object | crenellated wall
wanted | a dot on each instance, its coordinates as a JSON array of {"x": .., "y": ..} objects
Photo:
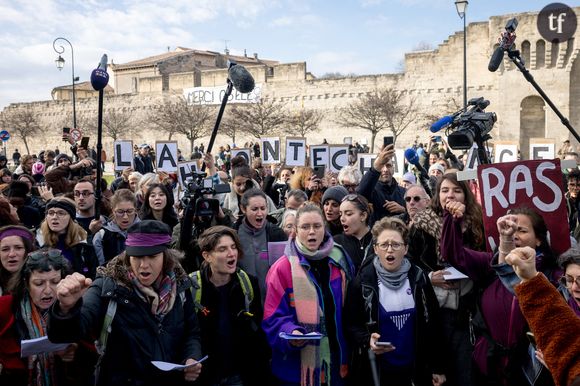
[{"x": 433, "y": 78}]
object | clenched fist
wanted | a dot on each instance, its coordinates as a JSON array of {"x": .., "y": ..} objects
[
  {"x": 70, "y": 290},
  {"x": 524, "y": 262}
]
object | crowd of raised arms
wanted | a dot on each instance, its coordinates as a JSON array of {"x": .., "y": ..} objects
[{"x": 290, "y": 278}]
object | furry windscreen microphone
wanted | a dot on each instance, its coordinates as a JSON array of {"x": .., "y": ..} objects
[
  {"x": 241, "y": 78},
  {"x": 99, "y": 76}
]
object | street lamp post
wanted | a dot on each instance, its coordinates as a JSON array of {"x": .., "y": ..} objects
[
  {"x": 461, "y": 6},
  {"x": 60, "y": 64}
]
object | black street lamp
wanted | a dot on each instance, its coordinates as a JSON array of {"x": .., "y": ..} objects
[
  {"x": 60, "y": 65},
  {"x": 461, "y": 6}
]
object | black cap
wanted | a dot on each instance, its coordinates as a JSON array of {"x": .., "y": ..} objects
[{"x": 146, "y": 238}]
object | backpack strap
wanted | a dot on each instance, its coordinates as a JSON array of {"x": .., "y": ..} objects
[
  {"x": 195, "y": 278},
  {"x": 101, "y": 343},
  {"x": 246, "y": 289}
]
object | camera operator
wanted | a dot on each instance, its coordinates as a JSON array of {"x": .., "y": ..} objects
[{"x": 277, "y": 183}]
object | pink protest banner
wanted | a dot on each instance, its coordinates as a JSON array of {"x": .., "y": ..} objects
[{"x": 533, "y": 184}]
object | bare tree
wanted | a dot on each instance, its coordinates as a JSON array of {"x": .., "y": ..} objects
[
  {"x": 176, "y": 116},
  {"x": 23, "y": 123},
  {"x": 399, "y": 113},
  {"x": 118, "y": 123},
  {"x": 379, "y": 110},
  {"x": 304, "y": 122},
  {"x": 266, "y": 117},
  {"x": 229, "y": 127}
]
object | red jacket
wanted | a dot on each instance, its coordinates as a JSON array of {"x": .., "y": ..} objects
[{"x": 9, "y": 340}]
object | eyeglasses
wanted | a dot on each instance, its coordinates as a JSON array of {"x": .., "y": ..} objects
[
  {"x": 350, "y": 186},
  {"x": 352, "y": 197},
  {"x": 57, "y": 213},
  {"x": 385, "y": 246},
  {"x": 290, "y": 226},
  {"x": 568, "y": 280},
  {"x": 307, "y": 227},
  {"x": 128, "y": 212},
  {"x": 51, "y": 253},
  {"x": 414, "y": 198},
  {"x": 84, "y": 193}
]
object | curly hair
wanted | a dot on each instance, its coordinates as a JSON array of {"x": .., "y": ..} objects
[{"x": 393, "y": 224}]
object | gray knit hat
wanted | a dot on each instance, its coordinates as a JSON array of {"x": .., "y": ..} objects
[{"x": 336, "y": 193}]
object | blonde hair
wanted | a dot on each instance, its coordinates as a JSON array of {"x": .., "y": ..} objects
[{"x": 74, "y": 232}]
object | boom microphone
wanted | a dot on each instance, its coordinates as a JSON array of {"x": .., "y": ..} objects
[
  {"x": 241, "y": 78},
  {"x": 496, "y": 59},
  {"x": 99, "y": 76},
  {"x": 411, "y": 156},
  {"x": 440, "y": 124}
]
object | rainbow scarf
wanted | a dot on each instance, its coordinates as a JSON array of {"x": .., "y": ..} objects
[
  {"x": 315, "y": 355},
  {"x": 40, "y": 367}
]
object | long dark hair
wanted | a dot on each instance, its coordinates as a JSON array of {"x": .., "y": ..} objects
[
  {"x": 473, "y": 215},
  {"x": 169, "y": 215}
]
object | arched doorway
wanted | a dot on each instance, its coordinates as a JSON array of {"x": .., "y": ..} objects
[{"x": 532, "y": 122}]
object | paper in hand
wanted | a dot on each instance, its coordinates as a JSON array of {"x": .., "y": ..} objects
[
  {"x": 167, "y": 366},
  {"x": 39, "y": 346},
  {"x": 309, "y": 336}
]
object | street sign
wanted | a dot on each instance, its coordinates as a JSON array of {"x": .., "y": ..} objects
[
  {"x": 76, "y": 134},
  {"x": 4, "y": 135}
]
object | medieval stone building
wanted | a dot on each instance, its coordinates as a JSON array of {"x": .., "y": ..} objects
[{"x": 432, "y": 78}]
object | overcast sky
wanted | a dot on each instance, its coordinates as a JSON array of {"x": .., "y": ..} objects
[{"x": 348, "y": 36}]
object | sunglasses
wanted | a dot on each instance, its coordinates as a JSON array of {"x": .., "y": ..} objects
[
  {"x": 414, "y": 198},
  {"x": 50, "y": 253}
]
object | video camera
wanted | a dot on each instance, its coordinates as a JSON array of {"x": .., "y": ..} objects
[
  {"x": 471, "y": 125},
  {"x": 196, "y": 188}
]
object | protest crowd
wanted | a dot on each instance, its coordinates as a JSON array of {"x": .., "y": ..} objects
[{"x": 289, "y": 275}]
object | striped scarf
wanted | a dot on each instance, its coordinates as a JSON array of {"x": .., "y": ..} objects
[
  {"x": 41, "y": 366},
  {"x": 315, "y": 355},
  {"x": 161, "y": 295}
]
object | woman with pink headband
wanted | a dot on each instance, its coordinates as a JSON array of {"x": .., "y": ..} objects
[{"x": 15, "y": 243}]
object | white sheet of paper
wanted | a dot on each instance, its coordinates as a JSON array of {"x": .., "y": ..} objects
[
  {"x": 309, "y": 336},
  {"x": 454, "y": 274},
  {"x": 39, "y": 346},
  {"x": 167, "y": 366}
]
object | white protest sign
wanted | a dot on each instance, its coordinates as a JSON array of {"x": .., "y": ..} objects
[
  {"x": 271, "y": 152},
  {"x": 185, "y": 170},
  {"x": 542, "y": 148},
  {"x": 338, "y": 157},
  {"x": 319, "y": 155},
  {"x": 399, "y": 163},
  {"x": 244, "y": 152},
  {"x": 365, "y": 161},
  {"x": 123, "y": 154},
  {"x": 166, "y": 156},
  {"x": 295, "y": 151},
  {"x": 472, "y": 158},
  {"x": 505, "y": 151}
]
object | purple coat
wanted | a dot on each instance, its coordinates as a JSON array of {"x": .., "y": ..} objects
[{"x": 499, "y": 306}]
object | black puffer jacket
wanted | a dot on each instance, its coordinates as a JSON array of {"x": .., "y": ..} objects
[
  {"x": 428, "y": 330},
  {"x": 137, "y": 337}
]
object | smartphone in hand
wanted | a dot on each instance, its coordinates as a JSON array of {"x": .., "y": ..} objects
[
  {"x": 388, "y": 140},
  {"x": 384, "y": 344}
]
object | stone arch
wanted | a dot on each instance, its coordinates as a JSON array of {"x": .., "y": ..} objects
[
  {"x": 554, "y": 54},
  {"x": 540, "y": 53},
  {"x": 526, "y": 47},
  {"x": 532, "y": 122}
]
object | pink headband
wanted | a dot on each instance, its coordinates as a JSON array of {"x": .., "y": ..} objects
[
  {"x": 147, "y": 239},
  {"x": 17, "y": 232}
]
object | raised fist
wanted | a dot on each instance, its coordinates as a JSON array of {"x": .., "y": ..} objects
[{"x": 70, "y": 290}]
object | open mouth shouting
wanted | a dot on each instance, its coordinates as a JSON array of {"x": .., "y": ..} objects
[{"x": 46, "y": 301}]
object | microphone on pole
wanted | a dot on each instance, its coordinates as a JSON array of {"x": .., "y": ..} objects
[
  {"x": 99, "y": 80},
  {"x": 241, "y": 78},
  {"x": 506, "y": 43},
  {"x": 413, "y": 158}
]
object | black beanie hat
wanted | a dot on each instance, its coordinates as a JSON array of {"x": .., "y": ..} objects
[{"x": 64, "y": 204}]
